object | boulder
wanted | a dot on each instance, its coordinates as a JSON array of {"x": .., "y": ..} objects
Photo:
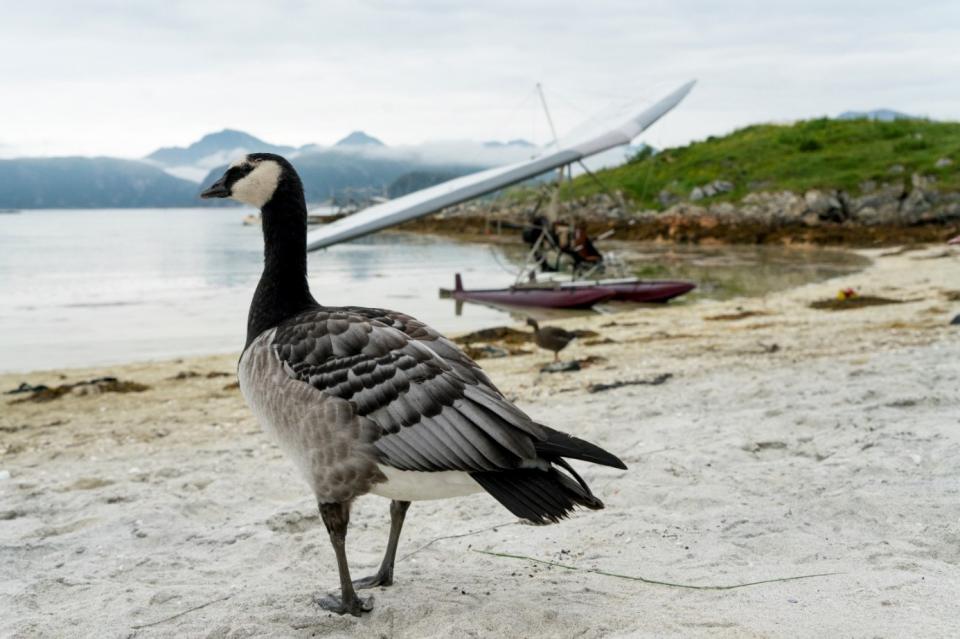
[
  {"x": 666, "y": 198},
  {"x": 722, "y": 186},
  {"x": 881, "y": 205},
  {"x": 826, "y": 206},
  {"x": 871, "y": 216},
  {"x": 778, "y": 208},
  {"x": 710, "y": 189}
]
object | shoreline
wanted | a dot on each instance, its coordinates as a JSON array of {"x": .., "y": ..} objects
[
  {"x": 707, "y": 231},
  {"x": 788, "y": 441}
]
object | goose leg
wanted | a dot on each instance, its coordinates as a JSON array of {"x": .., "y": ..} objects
[
  {"x": 384, "y": 576},
  {"x": 336, "y": 517}
]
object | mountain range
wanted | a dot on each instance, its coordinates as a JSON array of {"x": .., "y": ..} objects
[
  {"x": 881, "y": 115},
  {"x": 78, "y": 182},
  {"x": 354, "y": 168},
  {"x": 213, "y": 149}
]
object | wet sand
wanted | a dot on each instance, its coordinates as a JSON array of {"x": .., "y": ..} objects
[{"x": 788, "y": 442}]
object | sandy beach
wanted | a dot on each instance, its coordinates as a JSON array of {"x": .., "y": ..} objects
[{"x": 816, "y": 451}]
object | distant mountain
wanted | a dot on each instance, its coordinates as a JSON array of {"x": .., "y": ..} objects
[
  {"x": 495, "y": 144},
  {"x": 359, "y": 138},
  {"x": 422, "y": 179},
  {"x": 358, "y": 166},
  {"x": 211, "y": 150},
  {"x": 337, "y": 173},
  {"x": 883, "y": 115},
  {"x": 75, "y": 182}
]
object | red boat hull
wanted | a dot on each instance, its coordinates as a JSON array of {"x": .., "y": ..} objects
[
  {"x": 648, "y": 292},
  {"x": 542, "y": 297},
  {"x": 574, "y": 294}
]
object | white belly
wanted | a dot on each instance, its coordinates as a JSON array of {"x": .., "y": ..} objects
[{"x": 416, "y": 485}]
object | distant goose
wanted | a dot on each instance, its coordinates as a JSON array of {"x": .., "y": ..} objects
[
  {"x": 551, "y": 338},
  {"x": 366, "y": 400}
]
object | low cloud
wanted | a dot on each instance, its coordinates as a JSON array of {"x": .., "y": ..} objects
[{"x": 461, "y": 152}]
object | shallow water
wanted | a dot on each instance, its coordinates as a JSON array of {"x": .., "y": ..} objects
[
  {"x": 91, "y": 287},
  {"x": 724, "y": 272}
]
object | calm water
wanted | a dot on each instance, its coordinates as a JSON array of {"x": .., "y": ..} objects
[{"x": 91, "y": 287}]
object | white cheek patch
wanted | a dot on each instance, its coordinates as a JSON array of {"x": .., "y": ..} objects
[{"x": 257, "y": 187}]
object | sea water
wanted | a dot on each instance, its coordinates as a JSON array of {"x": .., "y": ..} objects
[{"x": 92, "y": 287}]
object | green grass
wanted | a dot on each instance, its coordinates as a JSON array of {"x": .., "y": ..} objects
[{"x": 822, "y": 154}]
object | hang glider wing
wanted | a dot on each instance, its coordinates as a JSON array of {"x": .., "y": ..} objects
[{"x": 436, "y": 198}]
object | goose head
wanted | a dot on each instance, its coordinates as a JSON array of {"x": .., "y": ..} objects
[{"x": 255, "y": 179}]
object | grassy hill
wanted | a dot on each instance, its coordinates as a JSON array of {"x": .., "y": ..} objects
[{"x": 823, "y": 154}]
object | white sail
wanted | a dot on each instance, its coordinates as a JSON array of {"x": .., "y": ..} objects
[{"x": 436, "y": 198}]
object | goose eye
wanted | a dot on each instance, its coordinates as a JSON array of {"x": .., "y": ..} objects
[{"x": 236, "y": 172}]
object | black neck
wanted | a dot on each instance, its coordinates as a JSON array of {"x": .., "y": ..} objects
[{"x": 283, "y": 290}]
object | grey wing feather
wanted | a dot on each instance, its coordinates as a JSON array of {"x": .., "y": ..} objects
[{"x": 435, "y": 408}]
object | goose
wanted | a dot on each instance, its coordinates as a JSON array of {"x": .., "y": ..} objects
[
  {"x": 551, "y": 338},
  {"x": 366, "y": 400}
]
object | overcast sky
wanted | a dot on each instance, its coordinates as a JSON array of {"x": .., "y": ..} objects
[{"x": 122, "y": 78}]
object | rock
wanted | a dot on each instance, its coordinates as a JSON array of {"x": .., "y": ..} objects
[
  {"x": 811, "y": 219},
  {"x": 782, "y": 208},
  {"x": 896, "y": 169},
  {"x": 866, "y": 215},
  {"x": 955, "y": 321},
  {"x": 486, "y": 351},
  {"x": 711, "y": 189},
  {"x": 880, "y": 206},
  {"x": 723, "y": 210},
  {"x": 914, "y": 206},
  {"x": 943, "y": 163},
  {"x": 561, "y": 367},
  {"x": 666, "y": 198},
  {"x": 920, "y": 200},
  {"x": 826, "y": 206},
  {"x": 922, "y": 181}
]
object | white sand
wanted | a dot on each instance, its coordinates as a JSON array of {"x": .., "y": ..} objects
[{"x": 837, "y": 452}]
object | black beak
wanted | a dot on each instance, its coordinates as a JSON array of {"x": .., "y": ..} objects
[{"x": 217, "y": 189}]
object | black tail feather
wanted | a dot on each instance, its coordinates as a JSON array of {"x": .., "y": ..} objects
[
  {"x": 539, "y": 496},
  {"x": 560, "y": 444}
]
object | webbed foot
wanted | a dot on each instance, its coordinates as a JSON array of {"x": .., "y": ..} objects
[
  {"x": 334, "y": 603},
  {"x": 379, "y": 579}
]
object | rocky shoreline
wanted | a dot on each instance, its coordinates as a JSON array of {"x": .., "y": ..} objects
[{"x": 881, "y": 214}]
